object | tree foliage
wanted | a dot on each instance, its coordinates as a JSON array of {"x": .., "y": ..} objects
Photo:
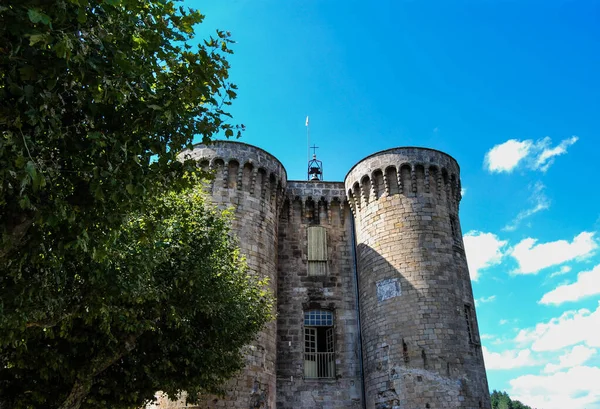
[
  {"x": 168, "y": 310},
  {"x": 501, "y": 400},
  {"x": 97, "y": 98}
]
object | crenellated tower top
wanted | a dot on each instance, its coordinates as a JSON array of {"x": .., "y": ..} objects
[
  {"x": 241, "y": 167},
  {"x": 408, "y": 171}
]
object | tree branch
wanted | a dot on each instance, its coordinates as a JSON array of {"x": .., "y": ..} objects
[
  {"x": 17, "y": 234},
  {"x": 84, "y": 383},
  {"x": 50, "y": 323}
]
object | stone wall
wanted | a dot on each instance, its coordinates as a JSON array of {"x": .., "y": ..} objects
[
  {"x": 309, "y": 204},
  {"x": 420, "y": 336}
]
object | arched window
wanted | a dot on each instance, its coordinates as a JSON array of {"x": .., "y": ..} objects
[{"x": 319, "y": 344}]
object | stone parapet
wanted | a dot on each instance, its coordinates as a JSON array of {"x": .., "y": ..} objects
[
  {"x": 239, "y": 167},
  {"x": 406, "y": 171},
  {"x": 315, "y": 202}
]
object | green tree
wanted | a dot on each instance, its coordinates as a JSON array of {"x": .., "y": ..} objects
[
  {"x": 97, "y": 98},
  {"x": 168, "y": 310},
  {"x": 501, "y": 400}
]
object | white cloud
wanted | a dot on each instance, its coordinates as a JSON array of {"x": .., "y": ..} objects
[
  {"x": 563, "y": 270},
  {"x": 588, "y": 283},
  {"x": 508, "y": 359},
  {"x": 546, "y": 157},
  {"x": 500, "y": 341},
  {"x": 487, "y": 336},
  {"x": 463, "y": 191},
  {"x": 483, "y": 300},
  {"x": 571, "y": 340},
  {"x": 538, "y": 155},
  {"x": 483, "y": 250},
  {"x": 506, "y": 156},
  {"x": 539, "y": 202},
  {"x": 576, "y": 388},
  {"x": 571, "y": 328},
  {"x": 575, "y": 357},
  {"x": 503, "y": 322},
  {"x": 535, "y": 257}
]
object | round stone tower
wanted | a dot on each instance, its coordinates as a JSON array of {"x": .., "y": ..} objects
[
  {"x": 253, "y": 182},
  {"x": 420, "y": 337}
]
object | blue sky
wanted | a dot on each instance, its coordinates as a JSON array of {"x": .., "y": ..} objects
[{"x": 510, "y": 89}]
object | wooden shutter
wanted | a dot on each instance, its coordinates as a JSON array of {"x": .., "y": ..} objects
[
  {"x": 317, "y": 244},
  {"x": 317, "y": 251}
]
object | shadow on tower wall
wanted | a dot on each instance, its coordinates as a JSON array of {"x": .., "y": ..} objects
[{"x": 418, "y": 352}]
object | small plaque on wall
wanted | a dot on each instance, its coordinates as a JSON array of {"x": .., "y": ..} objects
[{"x": 388, "y": 288}]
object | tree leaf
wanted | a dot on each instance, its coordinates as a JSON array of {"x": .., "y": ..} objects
[
  {"x": 63, "y": 48},
  {"x": 81, "y": 15},
  {"x": 36, "y": 38},
  {"x": 36, "y": 16}
]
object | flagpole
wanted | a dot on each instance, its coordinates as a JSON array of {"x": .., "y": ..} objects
[{"x": 307, "y": 145}]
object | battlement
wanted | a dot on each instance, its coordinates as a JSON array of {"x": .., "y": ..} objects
[
  {"x": 407, "y": 171},
  {"x": 315, "y": 202},
  {"x": 241, "y": 167}
]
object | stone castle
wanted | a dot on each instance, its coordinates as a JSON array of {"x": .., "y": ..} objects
[{"x": 374, "y": 302}]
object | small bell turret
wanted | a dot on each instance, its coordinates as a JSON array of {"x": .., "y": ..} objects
[{"x": 315, "y": 167}]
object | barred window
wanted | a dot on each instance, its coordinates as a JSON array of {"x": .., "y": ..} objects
[
  {"x": 317, "y": 251},
  {"x": 319, "y": 345}
]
